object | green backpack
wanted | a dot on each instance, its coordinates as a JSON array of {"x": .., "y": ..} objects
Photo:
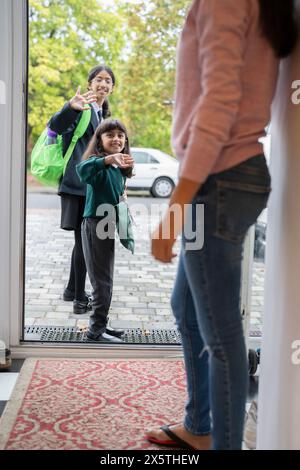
[{"x": 48, "y": 164}]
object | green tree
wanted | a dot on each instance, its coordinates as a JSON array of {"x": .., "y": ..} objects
[
  {"x": 136, "y": 38},
  {"x": 66, "y": 39},
  {"x": 147, "y": 72}
]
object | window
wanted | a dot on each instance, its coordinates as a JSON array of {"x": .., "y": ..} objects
[{"x": 141, "y": 157}]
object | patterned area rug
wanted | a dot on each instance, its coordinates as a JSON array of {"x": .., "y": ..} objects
[{"x": 69, "y": 404}]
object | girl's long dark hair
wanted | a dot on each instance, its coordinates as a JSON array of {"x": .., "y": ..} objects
[
  {"x": 95, "y": 146},
  {"x": 92, "y": 74},
  {"x": 278, "y": 24}
]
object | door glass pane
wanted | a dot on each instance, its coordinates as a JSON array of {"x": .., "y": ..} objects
[{"x": 60, "y": 59}]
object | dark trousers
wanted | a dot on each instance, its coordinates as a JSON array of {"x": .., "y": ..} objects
[
  {"x": 99, "y": 257},
  {"x": 72, "y": 208}
]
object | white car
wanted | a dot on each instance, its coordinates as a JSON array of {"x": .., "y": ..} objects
[{"x": 154, "y": 170}]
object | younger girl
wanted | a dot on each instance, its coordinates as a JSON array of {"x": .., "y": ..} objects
[{"x": 105, "y": 164}]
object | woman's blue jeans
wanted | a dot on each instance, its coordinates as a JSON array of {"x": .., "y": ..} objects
[{"x": 206, "y": 302}]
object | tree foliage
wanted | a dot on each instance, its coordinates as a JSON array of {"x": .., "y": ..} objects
[
  {"x": 138, "y": 40},
  {"x": 66, "y": 39},
  {"x": 147, "y": 74}
]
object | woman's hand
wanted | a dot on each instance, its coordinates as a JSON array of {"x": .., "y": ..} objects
[
  {"x": 122, "y": 160},
  {"x": 80, "y": 102},
  {"x": 162, "y": 241},
  {"x": 165, "y": 235}
]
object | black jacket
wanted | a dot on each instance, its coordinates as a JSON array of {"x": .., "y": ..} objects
[{"x": 64, "y": 123}]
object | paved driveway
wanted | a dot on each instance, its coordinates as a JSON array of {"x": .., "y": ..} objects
[{"x": 142, "y": 286}]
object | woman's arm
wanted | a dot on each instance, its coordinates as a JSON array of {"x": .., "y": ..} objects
[
  {"x": 221, "y": 29},
  {"x": 221, "y": 34},
  {"x": 164, "y": 237}
]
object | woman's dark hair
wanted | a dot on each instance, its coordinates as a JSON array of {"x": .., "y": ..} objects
[
  {"x": 95, "y": 146},
  {"x": 92, "y": 74},
  {"x": 278, "y": 24}
]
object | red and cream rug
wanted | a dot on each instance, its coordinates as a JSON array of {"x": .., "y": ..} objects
[{"x": 69, "y": 404}]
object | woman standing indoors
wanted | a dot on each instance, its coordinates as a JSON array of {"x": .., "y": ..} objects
[{"x": 228, "y": 60}]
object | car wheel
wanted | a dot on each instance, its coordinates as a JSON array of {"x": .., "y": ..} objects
[{"x": 162, "y": 187}]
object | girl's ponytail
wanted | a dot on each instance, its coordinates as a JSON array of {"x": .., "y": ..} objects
[
  {"x": 105, "y": 109},
  {"x": 278, "y": 24}
]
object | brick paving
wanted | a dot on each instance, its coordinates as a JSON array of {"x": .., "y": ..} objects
[{"x": 142, "y": 286}]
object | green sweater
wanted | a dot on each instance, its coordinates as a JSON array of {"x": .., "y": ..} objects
[{"x": 105, "y": 184}]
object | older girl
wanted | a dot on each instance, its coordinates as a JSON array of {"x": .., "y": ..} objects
[{"x": 100, "y": 84}]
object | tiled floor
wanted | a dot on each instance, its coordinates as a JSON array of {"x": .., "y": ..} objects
[
  {"x": 7, "y": 382},
  {"x": 142, "y": 286}
]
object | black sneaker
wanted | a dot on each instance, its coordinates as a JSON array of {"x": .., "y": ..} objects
[
  {"x": 102, "y": 338},
  {"x": 114, "y": 331},
  {"x": 69, "y": 295},
  {"x": 81, "y": 306}
]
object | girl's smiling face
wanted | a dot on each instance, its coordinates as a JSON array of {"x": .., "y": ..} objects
[
  {"x": 113, "y": 141},
  {"x": 101, "y": 85}
]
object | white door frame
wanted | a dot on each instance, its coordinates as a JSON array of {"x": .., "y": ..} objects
[{"x": 13, "y": 44}]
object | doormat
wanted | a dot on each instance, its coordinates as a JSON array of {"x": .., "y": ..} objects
[{"x": 79, "y": 404}]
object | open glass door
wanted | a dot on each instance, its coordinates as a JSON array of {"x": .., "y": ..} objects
[
  {"x": 138, "y": 42},
  {"x": 142, "y": 287}
]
